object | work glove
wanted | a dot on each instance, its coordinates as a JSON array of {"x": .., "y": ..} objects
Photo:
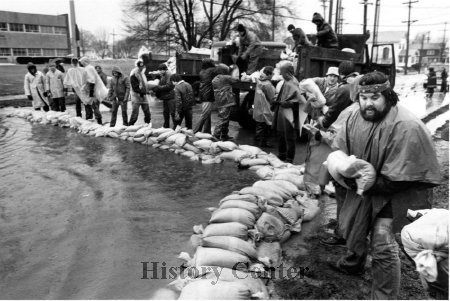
[
  {"x": 351, "y": 183},
  {"x": 30, "y": 97},
  {"x": 91, "y": 90},
  {"x": 46, "y": 94}
]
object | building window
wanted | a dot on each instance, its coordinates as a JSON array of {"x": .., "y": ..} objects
[
  {"x": 3, "y": 26},
  {"x": 48, "y": 52},
  {"x": 34, "y": 51},
  {"x": 19, "y": 51},
  {"x": 61, "y": 52},
  {"x": 400, "y": 59},
  {"x": 5, "y": 51},
  {"x": 15, "y": 27},
  {"x": 60, "y": 30},
  {"x": 31, "y": 28},
  {"x": 430, "y": 52},
  {"x": 46, "y": 29}
]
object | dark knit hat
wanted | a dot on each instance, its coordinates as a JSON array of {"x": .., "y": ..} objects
[
  {"x": 290, "y": 27},
  {"x": 346, "y": 67},
  {"x": 30, "y": 66},
  {"x": 241, "y": 28},
  {"x": 162, "y": 67},
  {"x": 317, "y": 17}
]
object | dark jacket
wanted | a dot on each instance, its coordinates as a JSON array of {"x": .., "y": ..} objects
[
  {"x": 249, "y": 45},
  {"x": 164, "y": 90},
  {"x": 432, "y": 80},
  {"x": 337, "y": 104},
  {"x": 206, "y": 88},
  {"x": 104, "y": 78},
  {"x": 326, "y": 37},
  {"x": 60, "y": 68},
  {"x": 138, "y": 89},
  {"x": 444, "y": 75},
  {"x": 184, "y": 97},
  {"x": 120, "y": 87},
  {"x": 300, "y": 39}
]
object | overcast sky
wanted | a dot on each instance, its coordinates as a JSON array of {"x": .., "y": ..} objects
[{"x": 95, "y": 14}]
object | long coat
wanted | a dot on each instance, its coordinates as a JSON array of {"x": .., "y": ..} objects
[
  {"x": 55, "y": 83},
  {"x": 34, "y": 85}
]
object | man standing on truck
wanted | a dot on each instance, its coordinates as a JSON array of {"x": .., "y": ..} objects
[
  {"x": 165, "y": 92},
  {"x": 326, "y": 37},
  {"x": 250, "y": 48},
  {"x": 299, "y": 36},
  {"x": 399, "y": 146}
]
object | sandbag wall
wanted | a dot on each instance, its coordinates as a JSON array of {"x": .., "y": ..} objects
[{"x": 244, "y": 233}]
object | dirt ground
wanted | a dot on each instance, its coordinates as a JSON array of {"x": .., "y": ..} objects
[{"x": 324, "y": 283}]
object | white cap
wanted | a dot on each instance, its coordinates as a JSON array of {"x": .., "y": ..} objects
[{"x": 333, "y": 70}]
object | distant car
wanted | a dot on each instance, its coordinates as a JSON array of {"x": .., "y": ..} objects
[{"x": 399, "y": 69}]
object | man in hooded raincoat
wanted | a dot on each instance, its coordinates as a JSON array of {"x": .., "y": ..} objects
[
  {"x": 250, "y": 48},
  {"x": 288, "y": 109},
  {"x": 138, "y": 93},
  {"x": 399, "y": 146},
  {"x": 34, "y": 86},
  {"x": 119, "y": 92},
  {"x": 75, "y": 79},
  {"x": 263, "y": 116},
  {"x": 95, "y": 88}
]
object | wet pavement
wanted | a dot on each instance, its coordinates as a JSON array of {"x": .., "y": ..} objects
[{"x": 79, "y": 214}]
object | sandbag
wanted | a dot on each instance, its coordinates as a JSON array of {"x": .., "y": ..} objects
[
  {"x": 256, "y": 167},
  {"x": 191, "y": 148},
  {"x": 139, "y": 139},
  {"x": 134, "y": 128},
  {"x": 203, "y": 144},
  {"x": 315, "y": 96},
  {"x": 272, "y": 198},
  {"x": 271, "y": 228},
  {"x": 265, "y": 173},
  {"x": 238, "y": 215},
  {"x": 252, "y": 150},
  {"x": 205, "y": 290},
  {"x": 227, "y": 146},
  {"x": 294, "y": 179},
  {"x": 269, "y": 253},
  {"x": 243, "y": 197},
  {"x": 164, "y": 147},
  {"x": 247, "y": 162},
  {"x": 235, "y": 155},
  {"x": 179, "y": 151},
  {"x": 172, "y": 138},
  {"x": 279, "y": 185},
  {"x": 218, "y": 257},
  {"x": 165, "y": 135},
  {"x": 310, "y": 206},
  {"x": 230, "y": 243},
  {"x": 215, "y": 160},
  {"x": 226, "y": 229},
  {"x": 181, "y": 140},
  {"x": 275, "y": 161},
  {"x": 252, "y": 207},
  {"x": 157, "y": 132},
  {"x": 200, "y": 135},
  {"x": 288, "y": 170},
  {"x": 341, "y": 166},
  {"x": 188, "y": 154}
]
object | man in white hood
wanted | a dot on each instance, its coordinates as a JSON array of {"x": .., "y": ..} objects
[{"x": 90, "y": 87}]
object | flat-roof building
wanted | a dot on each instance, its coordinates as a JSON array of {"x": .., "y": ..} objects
[{"x": 23, "y": 34}]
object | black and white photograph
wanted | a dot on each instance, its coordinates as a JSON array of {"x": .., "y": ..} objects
[{"x": 224, "y": 149}]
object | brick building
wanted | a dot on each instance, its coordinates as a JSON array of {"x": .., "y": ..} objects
[{"x": 23, "y": 34}]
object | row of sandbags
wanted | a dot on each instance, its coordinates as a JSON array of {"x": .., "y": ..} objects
[{"x": 242, "y": 241}]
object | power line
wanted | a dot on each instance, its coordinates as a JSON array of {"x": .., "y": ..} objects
[{"x": 407, "y": 33}]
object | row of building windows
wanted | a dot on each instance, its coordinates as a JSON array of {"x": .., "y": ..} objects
[
  {"x": 32, "y": 28},
  {"x": 32, "y": 52}
]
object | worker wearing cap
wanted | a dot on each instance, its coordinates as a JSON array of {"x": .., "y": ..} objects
[
  {"x": 326, "y": 37},
  {"x": 34, "y": 85},
  {"x": 250, "y": 48},
  {"x": 165, "y": 92},
  {"x": 299, "y": 36}
]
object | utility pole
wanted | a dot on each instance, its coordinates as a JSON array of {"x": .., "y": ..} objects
[
  {"x": 441, "y": 54},
  {"x": 324, "y": 5},
  {"x": 73, "y": 23},
  {"x": 376, "y": 21},
  {"x": 421, "y": 52},
  {"x": 341, "y": 19},
  {"x": 113, "y": 35},
  {"x": 365, "y": 2},
  {"x": 273, "y": 21},
  {"x": 330, "y": 13},
  {"x": 336, "y": 21},
  {"x": 407, "y": 33}
]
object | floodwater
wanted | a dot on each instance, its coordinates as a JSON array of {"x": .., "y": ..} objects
[{"x": 79, "y": 215}]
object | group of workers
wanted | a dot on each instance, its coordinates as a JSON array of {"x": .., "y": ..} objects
[{"x": 362, "y": 118}]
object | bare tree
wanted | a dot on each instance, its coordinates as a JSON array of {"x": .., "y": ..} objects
[
  {"x": 101, "y": 43},
  {"x": 87, "y": 40},
  {"x": 127, "y": 47},
  {"x": 189, "y": 22}
]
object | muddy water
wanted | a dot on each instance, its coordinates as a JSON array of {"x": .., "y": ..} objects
[{"x": 78, "y": 214}]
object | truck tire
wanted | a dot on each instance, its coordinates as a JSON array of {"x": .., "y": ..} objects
[{"x": 245, "y": 120}]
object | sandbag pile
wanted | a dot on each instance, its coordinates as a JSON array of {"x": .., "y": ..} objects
[
  {"x": 242, "y": 239},
  {"x": 245, "y": 231}
]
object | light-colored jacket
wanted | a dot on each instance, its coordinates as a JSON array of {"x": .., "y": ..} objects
[
  {"x": 55, "y": 83},
  {"x": 76, "y": 79},
  {"x": 34, "y": 85},
  {"x": 92, "y": 77}
]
